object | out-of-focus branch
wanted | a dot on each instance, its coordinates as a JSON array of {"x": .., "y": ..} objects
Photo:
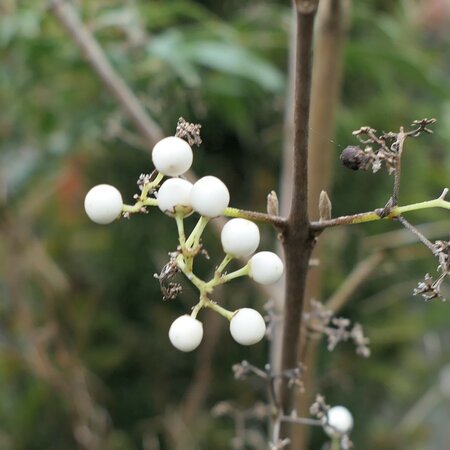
[
  {"x": 355, "y": 278},
  {"x": 398, "y": 238},
  {"x": 331, "y": 31},
  {"x": 96, "y": 57},
  {"x": 43, "y": 350}
]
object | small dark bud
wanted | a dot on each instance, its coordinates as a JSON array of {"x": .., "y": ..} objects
[{"x": 354, "y": 158}]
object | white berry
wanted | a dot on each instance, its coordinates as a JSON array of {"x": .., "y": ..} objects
[
  {"x": 186, "y": 333},
  {"x": 240, "y": 237},
  {"x": 172, "y": 156},
  {"x": 247, "y": 326},
  {"x": 339, "y": 421},
  {"x": 265, "y": 267},
  {"x": 103, "y": 204},
  {"x": 210, "y": 196},
  {"x": 173, "y": 194}
]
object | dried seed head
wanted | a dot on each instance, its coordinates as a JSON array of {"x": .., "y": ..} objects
[{"x": 354, "y": 158}]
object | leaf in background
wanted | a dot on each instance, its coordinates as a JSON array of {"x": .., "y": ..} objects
[
  {"x": 237, "y": 61},
  {"x": 169, "y": 47}
]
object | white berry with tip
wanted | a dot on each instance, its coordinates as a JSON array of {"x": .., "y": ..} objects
[
  {"x": 103, "y": 204},
  {"x": 174, "y": 194},
  {"x": 265, "y": 267},
  {"x": 186, "y": 333},
  {"x": 339, "y": 421},
  {"x": 172, "y": 156},
  {"x": 240, "y": 237},
  {"x": 247, "y": 326},
  {"x": 210, "y": 196}
]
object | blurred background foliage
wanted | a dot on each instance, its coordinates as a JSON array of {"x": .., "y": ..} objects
[{"x": 85, "y": 361}]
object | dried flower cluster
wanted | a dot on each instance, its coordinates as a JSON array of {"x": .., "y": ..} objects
[
  {"x": 336, "y": 329},
  {"x": 385, "y": 148},
  {"x": 430, "y": 288}
]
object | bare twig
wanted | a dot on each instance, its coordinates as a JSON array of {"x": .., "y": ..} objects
[
  {"x": 398, "y": 238},
  {"x": 419, "y": 235}
]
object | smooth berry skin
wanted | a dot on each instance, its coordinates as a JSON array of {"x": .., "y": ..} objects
[
  {"x": 186, "y": 333},
  {"x": 247, "y": 326},
  {"x": 340, "y": 421},
  {"x": 103, "y": 204},
  {"x": 210, "y": 196},
  {"x": 240, "y": 237},
  {"x": 266, "y": 267},
  {"x": 172, "y": 156},
  {"x": 174, "y": 195}
]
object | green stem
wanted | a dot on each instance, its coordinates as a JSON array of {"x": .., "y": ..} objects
[
  {"x": 373, "y": 215},
  {"x": 219, "y": 309},
  {"x": 335, "y": 444},
  {"x": 242, "y": 272},
  {"x": 139, "y": 205},
  {"x": 277, "y": 221},
  {"x": 194, "y": 239},
  {"x": 180, "y": 227},
  {"x": 196, "y": 281},
  {"x": 151, "y": 185},
  {"x": 436, "y": 203},
  {"x": 201, "y": 304},
  {"x": 205, "y": 302},
  {"x": 223, "y": 264}
]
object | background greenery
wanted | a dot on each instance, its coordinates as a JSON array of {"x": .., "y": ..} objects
[{"x": 85, "y": 360}]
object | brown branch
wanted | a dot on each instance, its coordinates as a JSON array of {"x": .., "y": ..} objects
[
  {"x": 331, "y": 30},
  {"x": 298, "y": 240},
  {"x": 96, "y": 57}
]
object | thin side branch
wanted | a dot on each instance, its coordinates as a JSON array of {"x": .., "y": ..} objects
[
  {"x": 370, "y": 216},
  {"x": 419, "y": 235},
  {"x": 277, "y": 221}
]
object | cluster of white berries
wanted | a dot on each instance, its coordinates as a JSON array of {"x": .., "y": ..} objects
[
  {"x": 247, "y": 327},
  {"x": 209, "y": 197}
]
